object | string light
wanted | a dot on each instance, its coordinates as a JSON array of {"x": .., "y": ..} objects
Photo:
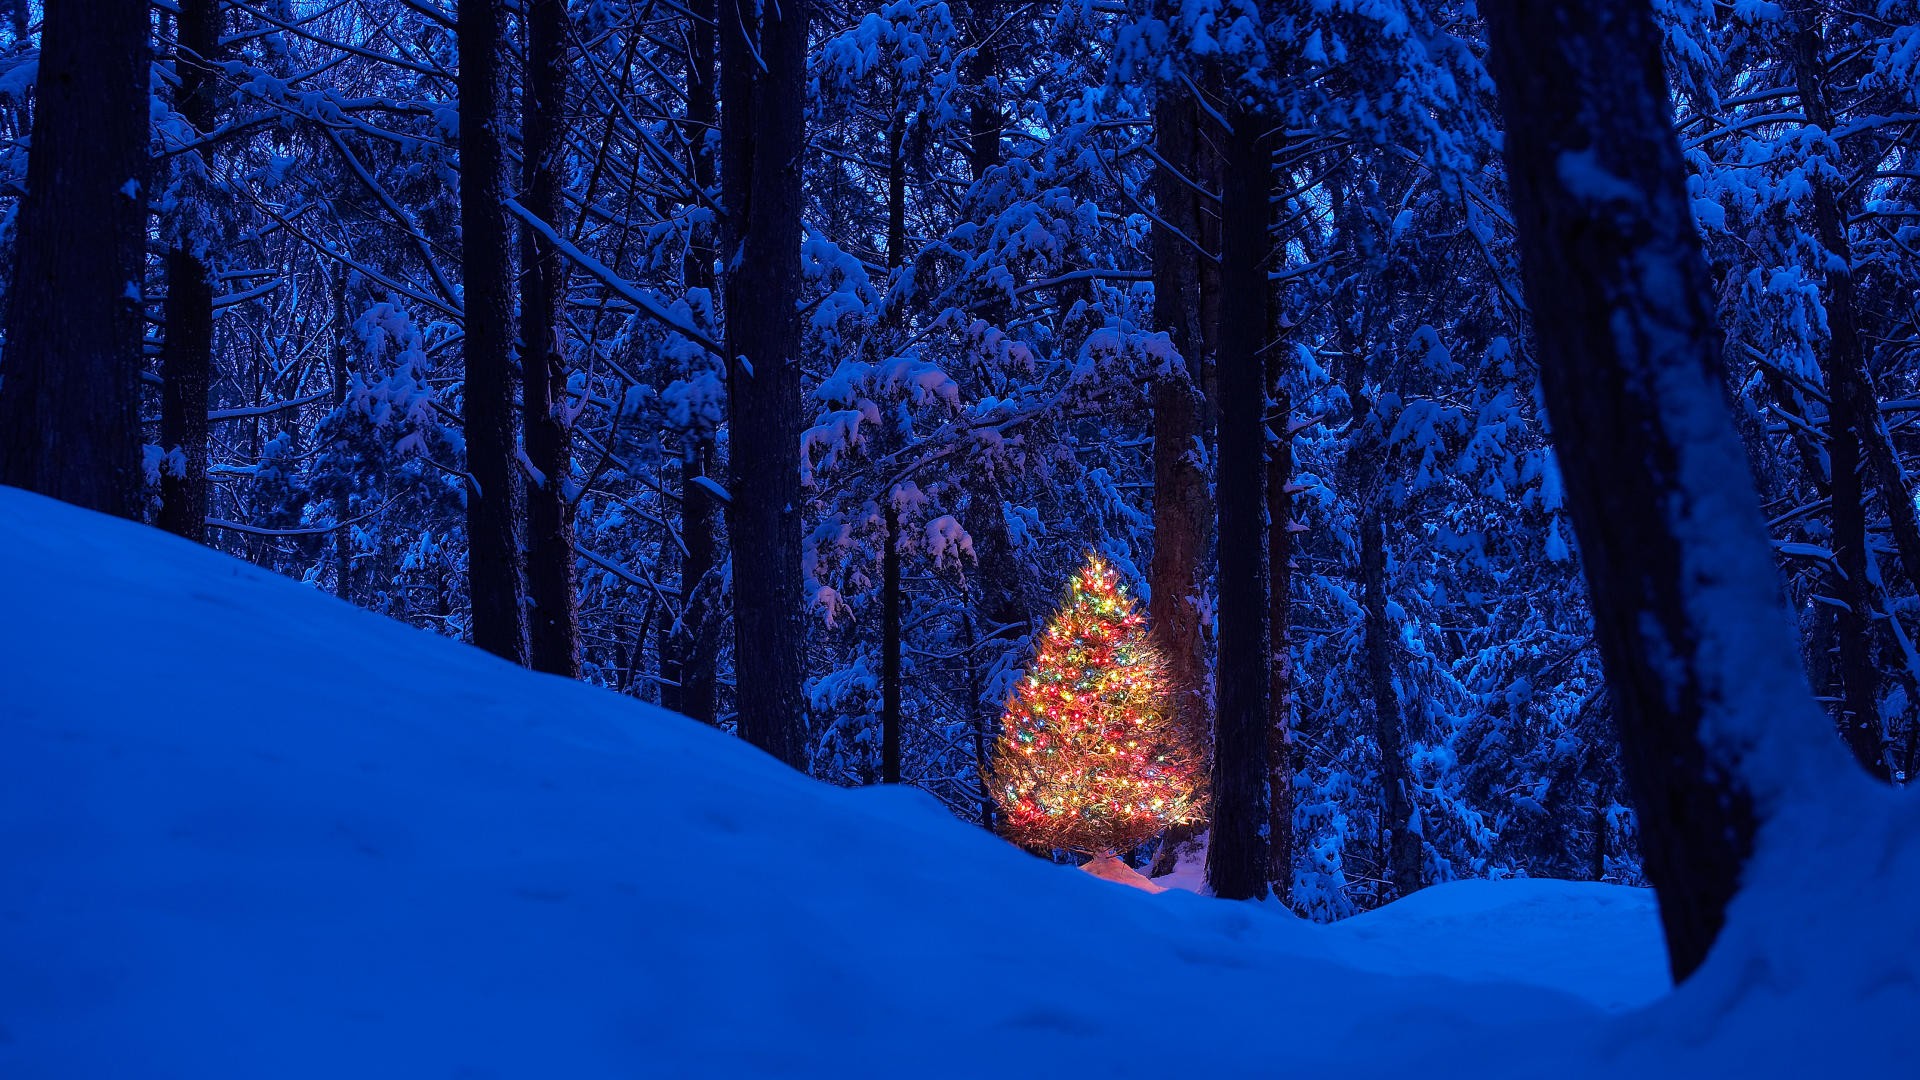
[{"x": 1117, "y": 768}]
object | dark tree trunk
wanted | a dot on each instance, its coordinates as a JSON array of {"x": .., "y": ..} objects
[
  {"x": 1002, "y": 608},
  {"x": 496, "y": 581},
  {"x": 763, "y": 49},
  {"x": 70, "y": 377},
  {"x": 1182, "y": 509},
  {"x": 553, "y": 629},
  {"x": 1853, "y": 415},
  {"x": 1279, "y": 622},
  {"x": 890, "y": 648},
  {"x": 690, "y": 660},
  {"x": 342, "y": 504},
  {"x": 1859, "y": 710},
  {"x": 1701, "y": 668},
  {"x": 1182, "y": 512},
  {"x": 985, "y": 123},
  {"x": 1237, "y": 849},
  {"x": 890, "y": 594},
  {"x": 1403, "y": 847},
  {"x": 1848, "y": 382},
  {"x": 896, "y": 190},
  {"x": 977, "y": 716},
  {"x": 186, "y": 355}
]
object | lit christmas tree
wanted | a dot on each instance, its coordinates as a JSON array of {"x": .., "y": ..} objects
[{"x": 1090, "y": 757}]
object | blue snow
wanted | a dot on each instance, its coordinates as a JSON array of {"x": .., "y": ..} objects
[{"x": 250, "y": 831}]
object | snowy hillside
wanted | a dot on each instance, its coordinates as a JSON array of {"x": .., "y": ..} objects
[{"x": 253, "y": 832}]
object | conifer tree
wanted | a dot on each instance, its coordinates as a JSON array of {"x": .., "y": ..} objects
[{"x": 1092, "y": 756}]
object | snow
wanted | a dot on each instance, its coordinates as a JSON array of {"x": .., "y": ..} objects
[
  {"x": 251, "y": 831},
  {"x": 1593, "y": 941},
  {"x": 1108, "y": 868}
]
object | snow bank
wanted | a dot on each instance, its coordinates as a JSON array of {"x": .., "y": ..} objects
[{"x": 252, "y": 832}]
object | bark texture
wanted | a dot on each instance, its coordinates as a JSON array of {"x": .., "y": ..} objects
[
  {"x": 763, "y": 95},
  {"x": 70, "y": 376},
  {"x": 553, "y": 629},
  {"x": 496, "y": 505},
  {"x": 186, "y": 354},
  {"x": 1237, "y": 852}
]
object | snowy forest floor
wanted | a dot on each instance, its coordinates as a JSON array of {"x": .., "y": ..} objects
[{"x": 251, "y": 831}]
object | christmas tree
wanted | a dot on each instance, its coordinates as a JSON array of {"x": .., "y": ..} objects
[{"x": 1090, "y": 756}]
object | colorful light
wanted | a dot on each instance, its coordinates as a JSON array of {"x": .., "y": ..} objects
[{"x": 1118, "y": 768}]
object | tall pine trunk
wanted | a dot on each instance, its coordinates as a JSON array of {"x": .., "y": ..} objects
[
  {"x": 1182, "y": 510},
  {"x": 186, "y": 355},
  {"x": 1706, "y": 685},
  {"x": 1389, "y": 725},
  {"x": 763, "y": 51},
  {"x": 70, "y": 374},
  {"x": 1279, "y": 616},
  {"x": 1847, "y": 376},
  {"x": 496, "y": 508},
  {"x": 553, "y": 629},
  {"x": 890, "y": 604},
  {"x": 1853, "y": 415},
  {"x": 338, "y": 362},
  {"x": 692, "y": 643},
  {"x": 891, "y": 600},
  {"x": 1237, "y": 851}
]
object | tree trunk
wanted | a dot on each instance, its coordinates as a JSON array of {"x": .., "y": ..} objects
[
  {"x": 342, "y": 503},
  {"x": 1279, "y": 621},
  {"x": 186, "y": 354},
  {"x": 1705, "y": 682},
  {"x": 692, "y": 643},
  {"x": 1847, "y": 380},
  {"x": 977, "y": 716},
  {"x": 985, "y": 123},
  {"x": 1403, "y": 844},
  {"x": 890, "y": 647},
  {"x": 1237, "y": 850},
  {"x": 496, "y": 582},
  {"x": 70, "y": 380},
  {"x": 763, "y": 50},
  {"x": 1182, "y": 510},
  {"x": 552, "y": 585},
  {"x": 1859, "y": 710},
  {"x": 890, "y": 594},
  {"x": 1853, "y": 416}
]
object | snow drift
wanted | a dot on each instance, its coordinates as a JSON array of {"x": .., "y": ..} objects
[{"x": 250, "y": 831}]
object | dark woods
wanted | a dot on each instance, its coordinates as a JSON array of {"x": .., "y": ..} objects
[{"x": 778, "y": 362}]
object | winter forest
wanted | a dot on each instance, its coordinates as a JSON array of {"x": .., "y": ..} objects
[{"x": 1458, "y": 439}]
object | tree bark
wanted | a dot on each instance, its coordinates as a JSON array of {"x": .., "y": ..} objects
[
  {"x": 1279, "y": 622},
  {"x": 1705, "y": 682},
  {"x": 985, "y": 123},
  {"x": 1237, "y": 852},
  {"x": 1853, "y": 414},
  {"x": 186, "y": 354},
  {"x": 890, "y": 647},
  {"x": 763, "y": 89},
  {"x": 496, "y": 506},
  {"x": 552, "y": 583},
  {"x": 1182, "y": 509},
  {"x": 690, "y": 659},
  {"x": 1848, "y": 382},
  {"x": 70, "y": 381},
  {"x": 342, "y": 503},
  {"x": 1403, "y": 845}
]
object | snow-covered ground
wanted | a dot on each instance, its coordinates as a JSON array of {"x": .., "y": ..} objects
[{"x": 249, "y": 831}]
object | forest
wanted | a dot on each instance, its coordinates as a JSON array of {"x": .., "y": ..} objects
[{"x": 1503, "y": 412}]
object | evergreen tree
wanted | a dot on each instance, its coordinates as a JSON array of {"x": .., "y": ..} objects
[{"x": 1092, "y": 756}]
